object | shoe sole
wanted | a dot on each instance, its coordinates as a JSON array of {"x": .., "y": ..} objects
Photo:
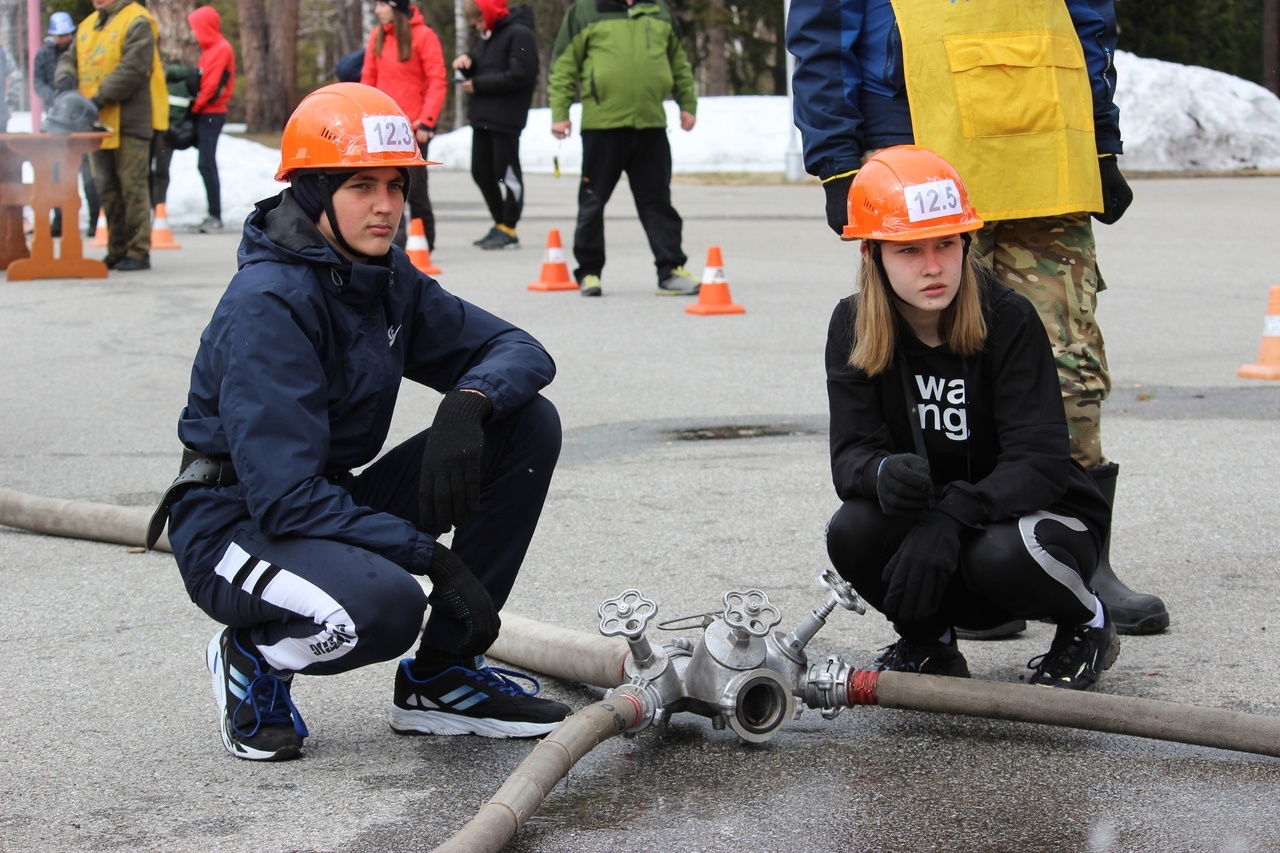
[
  {"x": 407, "y": 722},
  {"x": 1153, "y": 624},
  {"x": 662, "y": 292},
  {"x": 213, "y": 658}
]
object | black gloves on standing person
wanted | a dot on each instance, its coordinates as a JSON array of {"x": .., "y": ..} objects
[
  {"x": 837, "y": 189},
  {"x": 1116, "y": 195},
  {"x": 903, "y": 485},
  {"x": 918, "y": 573},
  {"x": 456, "y": 588},
  {"x": 449, "y": 489}
]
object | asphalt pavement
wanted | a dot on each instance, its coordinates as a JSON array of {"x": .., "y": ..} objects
[{"x": 695, "y": 462}]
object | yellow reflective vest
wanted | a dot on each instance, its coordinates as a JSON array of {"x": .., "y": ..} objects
[
  {"x": 1000, "y": 89},
  {"x": 98, "y": 53}
]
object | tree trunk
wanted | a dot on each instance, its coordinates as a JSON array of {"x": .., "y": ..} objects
[
  {"x": 1271, "y": 45},
  {"x": 268, "y": 53},
  {"x": 177, "y": 42},
  {"x": 715, "y": 68}
]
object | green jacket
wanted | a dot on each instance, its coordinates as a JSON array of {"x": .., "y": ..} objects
[{"x": 626, "y": 60}]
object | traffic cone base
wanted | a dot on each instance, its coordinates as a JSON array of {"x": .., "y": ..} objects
[
  {"x": 555, "y": 271},
  {"x": 161, "y": 233},
  {"x": 418, "y": 250},
  {"x": 713, "y": 294},
  {"x": 100, "y": 235},
  {"x": 1268, "y": 366}
]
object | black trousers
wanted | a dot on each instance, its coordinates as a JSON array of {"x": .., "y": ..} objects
[
  {"x": 321, "y": 607},
  {"x": 208, "y": 129},
  {"x": 1034, "y": 567},
  {"x": 645, "y": 155},
  {"x": 495, "y": 167}
]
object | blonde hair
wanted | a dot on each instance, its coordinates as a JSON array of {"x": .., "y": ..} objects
[
  {"x": 404, "y": 39},
  {"x": 962, "y": 325}
]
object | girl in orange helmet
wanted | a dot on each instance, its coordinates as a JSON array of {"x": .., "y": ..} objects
[
  {"x": 949, "y": 448},
  {"x": 308, "y": 565}
]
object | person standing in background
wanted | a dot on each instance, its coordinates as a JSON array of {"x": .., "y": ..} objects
[
  {"x": 405, "y": 60},
  {"x": 217, "y": 80},
  {"x": 115, "y": 63},
  {"x": 499, "y": 73}
]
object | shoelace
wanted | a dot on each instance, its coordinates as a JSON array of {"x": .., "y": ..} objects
[
  {"x": 503, "y": 679},
  {"x": 1055, "y": 649},
  {"x": 268, "y": 697}
]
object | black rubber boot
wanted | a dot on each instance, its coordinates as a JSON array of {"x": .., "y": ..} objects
[{"x": 1132, "y": 612}]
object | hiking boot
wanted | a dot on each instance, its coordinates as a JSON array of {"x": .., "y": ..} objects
[
  {"x": 590, "y": 285},
  {"x": 210, "y": 225},
  {"x": 1077, "y": 656},
  {"x": 995, "y": 632},
  {"x": 464, "y": 701},
  {"x": 500, "y": 238},
  {"x": 679, "y": 282},
  {"x": 924, "y": 658},
  {"x": 259, "y": 720},
  {"x": 131, "y": 264}
]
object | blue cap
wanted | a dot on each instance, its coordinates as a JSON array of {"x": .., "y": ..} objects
[{"x": 60, "y": 24}]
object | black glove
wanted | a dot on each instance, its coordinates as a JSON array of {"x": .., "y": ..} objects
[
  {"x": 449, "y": 488},
  {"x": 456, "y": 588},
  {"x": 1116, "y": 195},
  {"x": 837, "y": 190},
  {"x": 917, "y": 575},
  {"x": 904, "y": 486}
]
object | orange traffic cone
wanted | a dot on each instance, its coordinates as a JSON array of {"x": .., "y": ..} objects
[
  {"x": 1268, "y": 366},
  {"x": 100, "y": 235},
  {"x": 713, "y": 295},
  {"x": 161, "y": 233},
  {"x": 555, "y": 272},
  {"x": 417, "y": 248}
]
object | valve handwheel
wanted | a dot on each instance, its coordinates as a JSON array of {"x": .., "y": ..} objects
[
  {"x": 843, "y": 592},
  {"x": 750, "y": 611},
  {"x": 627, "y": 615}
]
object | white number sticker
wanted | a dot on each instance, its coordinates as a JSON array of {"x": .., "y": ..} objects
[
  {"x": 388, "y": 133},
  {"x": 932, "y": 200}
]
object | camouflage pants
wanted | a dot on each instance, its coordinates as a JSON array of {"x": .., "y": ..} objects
[
  {"x": 1052, "y": 261},
  {"x": 123, "y": 178}
]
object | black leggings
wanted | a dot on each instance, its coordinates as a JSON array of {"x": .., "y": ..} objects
[
  {"x": 495, "y": 167},
  {"x": 1037, "y": 566}
]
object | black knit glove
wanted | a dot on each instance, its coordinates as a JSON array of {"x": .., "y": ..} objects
[
  {"x": 449, "y": 488},
  {"x": 903, "y": 485},
  {"x": 1116, "y": 195},
  {"x": 837, "y": 189},
  {"x": 918, "y": 574},
  {"x": 453, "y": 586}
]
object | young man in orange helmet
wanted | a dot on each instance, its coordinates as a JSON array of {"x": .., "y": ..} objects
[{"x": 312, "y": 566}]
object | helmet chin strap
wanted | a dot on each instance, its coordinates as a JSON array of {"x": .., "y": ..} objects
[{"x": 326, "y": 198}]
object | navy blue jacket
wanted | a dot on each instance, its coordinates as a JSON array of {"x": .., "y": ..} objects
[
  {"x": 849, "y": 91},
  {"x": 296, "y": 378}
]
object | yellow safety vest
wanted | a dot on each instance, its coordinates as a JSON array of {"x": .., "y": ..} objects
[
  {"x": 97, "y": 55},
  {"x": 1000, "y": 89}
]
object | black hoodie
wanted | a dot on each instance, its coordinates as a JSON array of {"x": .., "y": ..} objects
[
  {"x": 504, "y": 71},
  {"x": 993, "y": 425}
]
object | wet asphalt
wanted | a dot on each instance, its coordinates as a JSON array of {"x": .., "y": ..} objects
[{"x": 695, "y": 462}]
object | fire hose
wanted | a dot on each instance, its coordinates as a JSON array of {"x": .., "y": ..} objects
[{"x": 740, "y": 674}]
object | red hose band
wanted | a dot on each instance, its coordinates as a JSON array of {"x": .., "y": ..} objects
[
  {"x": 862, "y": 687},
  {"x": 635, "y": 701}
]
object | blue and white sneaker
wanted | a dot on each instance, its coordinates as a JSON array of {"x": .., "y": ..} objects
[
  {"x": 259, "y": 720},
  {"x": 462, "y": 701}
]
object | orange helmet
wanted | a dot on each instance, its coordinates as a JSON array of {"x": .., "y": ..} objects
[
  {"x": 907, "y": 193},
  {"x": 347, "y": 126}
]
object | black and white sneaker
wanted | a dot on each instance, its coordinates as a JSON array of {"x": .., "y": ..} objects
[
  {"x": 1077, "y": 656},
  {"x": 923, "y": 658},
  {"x": 259, "y": 720},
  {"x": 464, "y": 701},
  {"x": 500, "y": 238}
]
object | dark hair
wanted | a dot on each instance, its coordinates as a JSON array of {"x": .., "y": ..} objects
[{"x": 404, "y": 39}]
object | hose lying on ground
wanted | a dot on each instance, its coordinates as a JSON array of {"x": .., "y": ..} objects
[
  {"x": 123, "y": 525},
  {"x": 519, "y": 797}
]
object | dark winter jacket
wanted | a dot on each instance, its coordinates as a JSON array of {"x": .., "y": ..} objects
[
  {"x": 43, "y": 69},
  {"x": 504, "y": 71},
  {"x": 850, "y": 92},
  {"x": 296, "y": 378},
  {"x": 993, "y": 423}
]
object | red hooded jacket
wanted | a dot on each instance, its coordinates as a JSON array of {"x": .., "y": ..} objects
[
  {"x": 216, "y": 58},
  {"x": 419, "y": 86}
]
